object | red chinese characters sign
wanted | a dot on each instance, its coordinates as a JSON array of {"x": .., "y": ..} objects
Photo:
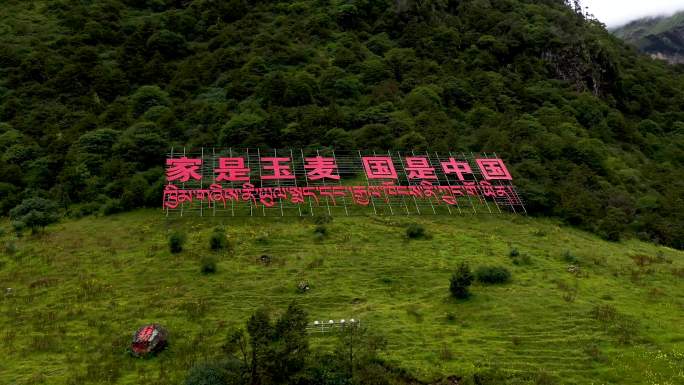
[{"x": 297, "y": 182}]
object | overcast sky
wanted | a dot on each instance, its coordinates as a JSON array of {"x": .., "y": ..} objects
[{"x": 617, "y": 12}]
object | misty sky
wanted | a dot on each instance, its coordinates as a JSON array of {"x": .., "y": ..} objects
[{"x": 617, "y": 12}]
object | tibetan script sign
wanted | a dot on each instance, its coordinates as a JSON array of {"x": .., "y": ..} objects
[{"x": 232, "y": 182}]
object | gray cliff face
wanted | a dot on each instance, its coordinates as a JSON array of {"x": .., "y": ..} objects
[{"x": 660, "y": 37}]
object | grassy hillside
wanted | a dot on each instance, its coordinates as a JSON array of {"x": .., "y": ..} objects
[{"x": 82, "y": 288}]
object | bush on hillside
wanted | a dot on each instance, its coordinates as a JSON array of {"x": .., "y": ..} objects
[
  {"x": 218, "y": 240},
  {"x": 176, "y": 241},
  {"x": 415, "y": 231},
  {"x": 461, "y": 281},
  {"x": 35, "y": 213},
  {"x": 492, "y": 275}
]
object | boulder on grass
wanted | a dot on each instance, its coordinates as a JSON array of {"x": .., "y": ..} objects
[{"x": 149, "y": 340}]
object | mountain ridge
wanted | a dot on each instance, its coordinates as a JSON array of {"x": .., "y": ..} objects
[{"x": 662, "y": 37}]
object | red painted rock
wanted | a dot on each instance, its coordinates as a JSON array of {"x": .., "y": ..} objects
[{"x": 148, "y": 340}]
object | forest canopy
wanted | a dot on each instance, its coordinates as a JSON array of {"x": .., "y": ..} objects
[{"x": 94, "y": 93}]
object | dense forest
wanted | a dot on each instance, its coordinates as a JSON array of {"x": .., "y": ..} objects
[{"x": 94, "y": 93}]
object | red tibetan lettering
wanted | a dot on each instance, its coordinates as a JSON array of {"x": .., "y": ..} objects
[
  {"x": 280, "y": 171},
  {"x": 321, "y": 168},
  {"x": 493, "y": 169},
  {"x": 232, "y": 170},
  {"x": 182, "y": 169},
  {"x": 419, "y": 168},
  {"x": 379, "y": 167},
  {"x": 452, "y": 166}
]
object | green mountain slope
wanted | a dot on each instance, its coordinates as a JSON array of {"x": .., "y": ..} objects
[
  {"x": 82, "y": 288},
  {"x": 661, "y": 37},
  {"x": 93, "y": 94}
]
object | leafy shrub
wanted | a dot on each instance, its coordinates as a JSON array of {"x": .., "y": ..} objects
[
  {"x": 461, "y": 281},
  {"x": 218, "y": 240},
  {"x": 493, "y": 274},
  {"x": 35, "y": 213},
  {"x": 415, "y": 231},
  {"x": 176, "y": 241},
  {"x": 208, "y": 265}
]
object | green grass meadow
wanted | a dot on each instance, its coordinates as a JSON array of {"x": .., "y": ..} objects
[{"x": 80, "y": 289}]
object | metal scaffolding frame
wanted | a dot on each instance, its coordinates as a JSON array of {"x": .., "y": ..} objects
[{"x": 350, "y": 168}]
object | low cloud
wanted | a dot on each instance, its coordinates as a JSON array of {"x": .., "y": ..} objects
[{"x": 618, "y": 12}]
